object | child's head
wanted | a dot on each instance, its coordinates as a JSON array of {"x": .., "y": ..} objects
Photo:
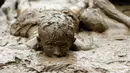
[{"x": 56, "y": 38}]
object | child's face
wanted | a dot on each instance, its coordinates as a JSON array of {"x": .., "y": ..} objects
[{"x": 56, "y": 47}]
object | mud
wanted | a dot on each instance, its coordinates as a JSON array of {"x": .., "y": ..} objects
[{"x": 105, "y": 53}]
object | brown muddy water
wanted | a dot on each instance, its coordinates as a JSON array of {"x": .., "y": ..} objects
[{"x": 108, "y": 52}]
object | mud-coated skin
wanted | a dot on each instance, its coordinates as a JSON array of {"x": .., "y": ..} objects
[
  {"x": 91, "y": 19},
  {"x": 56, "y": 29},
  {"x": 24, "y": 22}
]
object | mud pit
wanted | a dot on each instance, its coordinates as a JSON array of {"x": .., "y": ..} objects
[{"x": 105, "y": 53}]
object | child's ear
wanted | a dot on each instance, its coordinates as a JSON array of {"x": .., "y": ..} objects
[{"x": 38, "y": 39}]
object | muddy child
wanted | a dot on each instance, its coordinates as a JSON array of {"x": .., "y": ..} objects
[{"x": 56, "y": 28}]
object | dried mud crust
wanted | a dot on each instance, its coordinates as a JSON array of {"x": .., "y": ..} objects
[{"x": 32, "y": 17}]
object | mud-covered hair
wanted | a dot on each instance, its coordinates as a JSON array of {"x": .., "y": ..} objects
[{"x": 58, "y": 24}]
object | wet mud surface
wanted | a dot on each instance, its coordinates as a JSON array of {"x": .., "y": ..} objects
[{"x": 108, "y": 52}]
